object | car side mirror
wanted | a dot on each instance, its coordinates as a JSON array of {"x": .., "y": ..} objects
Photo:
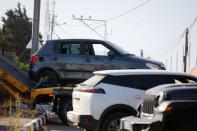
[{"x": 111, "y": 54}]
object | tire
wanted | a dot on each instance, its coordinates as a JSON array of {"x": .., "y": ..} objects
[
  {"x": 64, "y": 107},
  {"x": 52, "y": 77},
  {"x": 112, "y": 122}
]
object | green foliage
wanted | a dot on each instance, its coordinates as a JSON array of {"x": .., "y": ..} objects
[
  {"x": 17, "y": 29},
  {"x": 21, "y": 65}
]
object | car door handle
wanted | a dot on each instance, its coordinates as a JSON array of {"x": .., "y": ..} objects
[{"x": 55, "y": 58}]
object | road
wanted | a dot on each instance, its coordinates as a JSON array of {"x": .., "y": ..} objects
[{"x": 56, "y": 125}]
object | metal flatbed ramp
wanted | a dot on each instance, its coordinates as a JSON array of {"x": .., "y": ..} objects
[{"x": 13, "y": 70}]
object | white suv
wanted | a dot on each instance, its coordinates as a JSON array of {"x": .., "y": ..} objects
[{"x": 102, "y": 100}]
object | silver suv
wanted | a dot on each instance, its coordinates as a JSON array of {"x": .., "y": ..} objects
[{"x": 74, "y": 60}]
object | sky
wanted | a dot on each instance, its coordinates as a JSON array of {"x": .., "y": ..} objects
[{"x": 155, "y": 27}]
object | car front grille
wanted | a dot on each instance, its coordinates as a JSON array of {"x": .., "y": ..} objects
[{"x": 148, "y": 103}]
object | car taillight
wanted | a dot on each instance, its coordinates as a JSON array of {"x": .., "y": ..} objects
[
  {"x": 34, "y": 58},
  {"x": 90, "y": 90}
]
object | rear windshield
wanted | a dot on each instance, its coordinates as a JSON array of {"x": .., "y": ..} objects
[{"x": 94, "y": 80}]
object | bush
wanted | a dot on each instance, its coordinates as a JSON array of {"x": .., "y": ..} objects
[{"x": 21, "y": 65}]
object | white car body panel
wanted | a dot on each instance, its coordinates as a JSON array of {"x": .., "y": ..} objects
[
  {"x": 133, "y": 96},
  {"x": 95, "y": 104}
]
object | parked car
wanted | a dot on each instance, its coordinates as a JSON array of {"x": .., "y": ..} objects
[
  {"x": 100, "y": 102},
  {"x": 74, "y": 60},
  {"x": 166, "y": 108}
]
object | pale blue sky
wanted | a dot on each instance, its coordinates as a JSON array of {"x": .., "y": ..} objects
[{"x": 155, "y": 27}]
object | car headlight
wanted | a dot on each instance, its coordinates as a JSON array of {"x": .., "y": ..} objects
[{"x": 153, "y": 66}]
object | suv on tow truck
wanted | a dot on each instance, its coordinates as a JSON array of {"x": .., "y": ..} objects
[{"x": 165, "y": 108}]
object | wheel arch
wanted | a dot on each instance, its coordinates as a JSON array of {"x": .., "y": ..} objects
[
  {"x": 116, "y": 108},
  {"x": 42, "y": 98},
  {"x": 49, "y": 68}
]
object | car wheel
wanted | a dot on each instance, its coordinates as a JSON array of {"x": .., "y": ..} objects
[
  {"x": 52, "y": 77},
  {"x": 64, "y": 107},
  {"x": 112, "y": 122}
]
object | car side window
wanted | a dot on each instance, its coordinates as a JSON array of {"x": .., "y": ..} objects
[
  {"x": 126, "y": 81},
  {"x": 95, "y": 49},
  {"x": 185, "y": 80},
  {"x": 142, "y": 82},
  {"x": 68, "y": 48},
  {"x": 100, "y": 50},
  {"x": 145, "y": 82}
]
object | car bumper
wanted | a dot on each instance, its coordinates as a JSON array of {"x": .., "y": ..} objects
[
  {"x": 140, "y": 124},
  {"x": 83, "y": 121}
]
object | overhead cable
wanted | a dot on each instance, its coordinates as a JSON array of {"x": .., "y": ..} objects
[
  {"x": 129, "y": 11},
  {"x": 193, "y": 23},
  {"x": 68, "y": 34}
]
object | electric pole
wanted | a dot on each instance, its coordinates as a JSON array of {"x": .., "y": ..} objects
[
  {"x": 166, "y": 62},
  {"x": 141, "y": 53},
  {"x": 53, "y": 21},
  {"x": 196, "y": 60},
  {"x": 177, "y": 61},
  {"x": 82, "y": 20},
  {"x": 171, "y": 63},
  {"x": 35, "y": 31},
  {"x": 186, "y": 50}
]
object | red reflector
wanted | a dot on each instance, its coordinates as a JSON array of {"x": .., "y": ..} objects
[
  {"x": 51, "y": 95},
  {"x": 169, "y": 108},
  {"x": 34, "y": 58},
  {"x": 90, "y": 90},
  {"x": 87, "y": 120}
]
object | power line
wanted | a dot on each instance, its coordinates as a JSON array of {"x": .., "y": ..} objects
[
  {"x": 68, "y": 34},
  {"x": 129, "y": 11},
  {"x": 115, "y": 17},
  {"x": 177, "y": 41},
  {"x": 193, "y": 23}
]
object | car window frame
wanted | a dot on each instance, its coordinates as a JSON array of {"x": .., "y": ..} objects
[{"x": 85, "y": 43}]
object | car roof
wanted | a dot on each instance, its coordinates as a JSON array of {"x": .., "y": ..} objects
[
  {"x": 140, "y": 72},
  {"x": 78, "y": 40},
  {"x": 171, "y": 87}
]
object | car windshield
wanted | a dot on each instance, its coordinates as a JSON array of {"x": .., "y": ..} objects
[{"x": 119, "y": 49}]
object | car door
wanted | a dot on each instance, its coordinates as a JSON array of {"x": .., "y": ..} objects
[
  {"x": 96, "y": 58},
  {"x": 68, "y": 61}
]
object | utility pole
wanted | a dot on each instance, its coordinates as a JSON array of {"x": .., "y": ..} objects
[
  {"x": 47, "y": 21},
  {"x": 166, "y": 62},
  {"x": 141, "y": 53},
  {"x": 82, "y": 20},
  {"x": 186, "y": 50},
  {"x": 177, "y": 61},
  {"x": 183, "y": 58},
  {"x": 189, "y": 55},
  {"x": 35, "y": 31},
  {"x": 196, "y": 60},
  {"x": 53, "y": 21},
  {"x": 170, "y": 63}
]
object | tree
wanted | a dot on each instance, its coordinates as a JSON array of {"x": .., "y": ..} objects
[{"x": 17, "y": 30}]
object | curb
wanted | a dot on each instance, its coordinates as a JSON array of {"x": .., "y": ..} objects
[{"x": 36, "y": 124}]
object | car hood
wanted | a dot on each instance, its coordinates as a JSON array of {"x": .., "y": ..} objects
[{"x": 146, "y": 60}]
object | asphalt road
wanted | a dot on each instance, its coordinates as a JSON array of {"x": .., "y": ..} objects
[{"x": 56, "y": 125}]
